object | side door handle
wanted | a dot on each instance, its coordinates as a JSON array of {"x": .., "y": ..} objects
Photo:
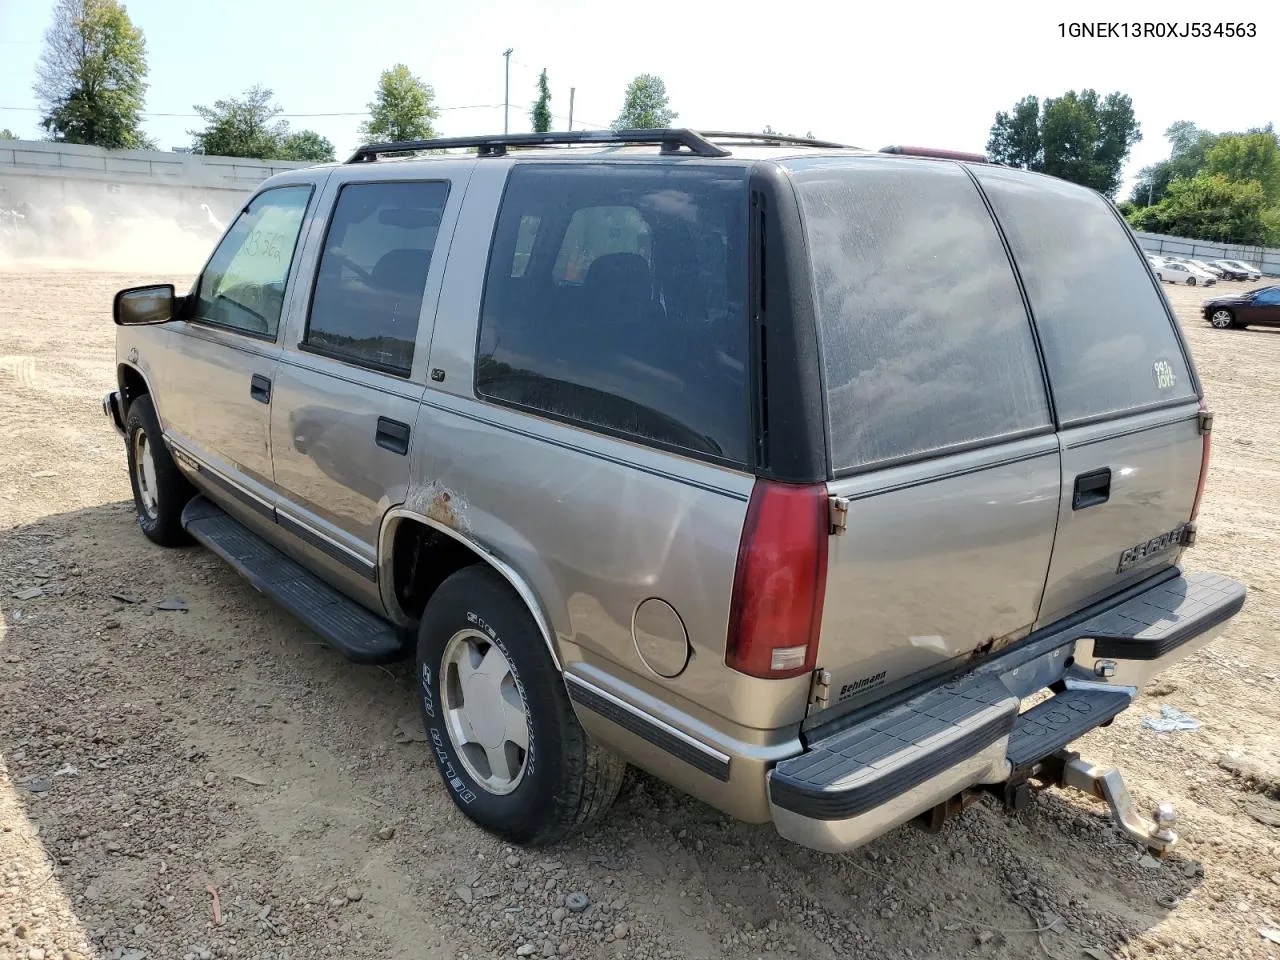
[
  {"x": 260, "y": 388},
  {"x": 1091, "y": 489},
  {"x": 393, "y": 435}
]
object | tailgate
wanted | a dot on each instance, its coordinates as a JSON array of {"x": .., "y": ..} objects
[{"x": 1125, "y": 484}]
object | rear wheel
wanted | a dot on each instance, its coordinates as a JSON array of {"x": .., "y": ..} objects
[
  {"x": 160, "y": 491},
  {"x": 498, "y": 718},
  {"x": 1222, "y": 319}
]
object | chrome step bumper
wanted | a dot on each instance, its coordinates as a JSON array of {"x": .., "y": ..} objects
[{"x": 849, "y": 787}]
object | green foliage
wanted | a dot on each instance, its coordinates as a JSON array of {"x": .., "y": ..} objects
[
  {"x": 91, "y": 78},
  {"x": 1208, "y": 206},
  {"x": 1078, "y": 137},
  {"x": 403, "y": 108},
  {"x": 1015, "y": 137},
  {"x": 1189, "y": 145},
  {"x": 1213, "y": 187},
  {"x": 241, "y": 128},
  {"x": 646, "y": 105},
  {"x": 1248, "y": 156},
  {"x": 541, "y": 112},
  {"x": 7, "y": 134},
  {"x": 306, "y": 145}
]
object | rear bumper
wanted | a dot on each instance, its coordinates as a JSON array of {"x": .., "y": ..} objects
[
  {"x": 111, "y": 409},
  {"x": 853, "y": 785}
]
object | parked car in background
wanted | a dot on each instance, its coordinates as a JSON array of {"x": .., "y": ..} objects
[
  {"x": 1217, "y": 272},
  {"x": 1172, "y": 271},
  {"x": 1240, "y": 310},
  {"x": 1230, "y": 271},
  {"x": 1249, "y": 270}
]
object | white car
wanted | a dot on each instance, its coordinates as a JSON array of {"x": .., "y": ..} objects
[{"x": 1174, "y": 272}]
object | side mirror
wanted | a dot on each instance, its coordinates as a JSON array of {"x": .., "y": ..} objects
[{"x": 138, "y": 306}]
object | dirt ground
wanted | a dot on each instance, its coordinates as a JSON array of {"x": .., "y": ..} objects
[{"x": 150, "y": 757}]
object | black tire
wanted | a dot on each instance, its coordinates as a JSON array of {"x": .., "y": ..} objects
[
  {"x": 162, "y": 524},
  {"x": 568, "y": 781},
  {"x": 1214, "y": 320},
  {"x": 1191, "y": 281}
]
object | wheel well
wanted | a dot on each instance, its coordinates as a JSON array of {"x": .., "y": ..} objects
[
  {"x": 132, "y": 386},
  {"x": 422, "y": 559}
]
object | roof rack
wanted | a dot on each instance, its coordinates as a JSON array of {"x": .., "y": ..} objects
[
  {"x": 670, "y": 140},
  {"x": 935, "y": 152},
  {"x": 768, "y": 138}
]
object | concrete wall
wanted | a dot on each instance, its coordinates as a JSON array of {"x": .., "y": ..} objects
[
  {"x": 126, "y": 209},
  {"x": 40, "y": 158}
]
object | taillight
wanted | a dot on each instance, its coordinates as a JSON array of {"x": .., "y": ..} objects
[
  {"x": 780, "y": 581},
  {"x": 1204, "y": 459}
]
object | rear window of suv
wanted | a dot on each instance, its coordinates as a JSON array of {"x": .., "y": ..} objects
[
  {"x": 926, "y": 344},
  {"x": 616, "y": 299},
  {"x": 1108, "y": 340}
]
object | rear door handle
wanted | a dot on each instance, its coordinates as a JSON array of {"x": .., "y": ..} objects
[
  {"x": 1091, "y": 489},
  {"x": 260, "y": 388},
  {"x": 393, "y": 435}
]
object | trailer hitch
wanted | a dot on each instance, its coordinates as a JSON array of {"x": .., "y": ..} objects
[{"x": 1067, "y": 769}]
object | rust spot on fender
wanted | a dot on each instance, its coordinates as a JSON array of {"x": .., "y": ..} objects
[{"x": 441, "y": 509}]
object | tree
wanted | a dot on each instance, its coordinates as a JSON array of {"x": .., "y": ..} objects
[
  {"x": 1248, "y": 156},
  {"x": 541, "y": 112},
  {"x": 7, "y": 134},
  {"x": 1208, "y": 206},
  {"x": 91, "y": 77},
  {"x": 645, "y": 105},
  {"x": 1015, "y": 137},
  {"x": 306, "y": 145},
  {"x": 1189, "y": 145},
  {"x": 241, "y": 128},
  {"x": 1077, "y": 136},
  {"x": 402, "y": 109}
]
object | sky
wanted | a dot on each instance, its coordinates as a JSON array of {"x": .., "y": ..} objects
[{"x": 867, "y": 74}]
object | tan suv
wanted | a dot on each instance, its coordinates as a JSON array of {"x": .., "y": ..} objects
[{"x": 783, "y": 470}]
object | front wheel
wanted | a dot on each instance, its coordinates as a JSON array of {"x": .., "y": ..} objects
[
  {"x": 498, "y": 719},
  {"x": 1222, "y": 319},
  {"x": 1191, "y": 281},
  {"x": 160, "y": 491}
]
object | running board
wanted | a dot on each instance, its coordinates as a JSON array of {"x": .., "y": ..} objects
[
  {"x": 1049, "y": 726},
  {"x": 357, "y": 634}
]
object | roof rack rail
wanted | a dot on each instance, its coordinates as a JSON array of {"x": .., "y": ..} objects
[
  {"x": 767, "y": 138},
  {"x": 670, "y": 140},
  {"x": 935, "y": 152}
]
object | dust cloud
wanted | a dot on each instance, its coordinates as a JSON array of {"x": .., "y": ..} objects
[{"x": 89, "y": 225}]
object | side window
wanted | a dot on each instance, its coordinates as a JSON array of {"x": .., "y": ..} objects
[
  {"x": 372, "y": 273},
  {"x": 624, "y": 308},
  {"x": 242, "y": 288},
  {"x": 926, "y": 344},
  {"x": 1109, "y": 342},
  {"x": 1269, "y": 298}
]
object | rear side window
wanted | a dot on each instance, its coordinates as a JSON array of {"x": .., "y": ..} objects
[
  {"x": 616, "y": 299},
  {"x": 373, "y": 271},
  {"x": 1108, "y": 341},
  {"x": 925, "y": 340}
]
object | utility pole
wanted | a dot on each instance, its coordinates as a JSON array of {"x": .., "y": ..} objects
[
  {"x": 506, "y": 96},
  {"x": 572, "y": 91}
]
